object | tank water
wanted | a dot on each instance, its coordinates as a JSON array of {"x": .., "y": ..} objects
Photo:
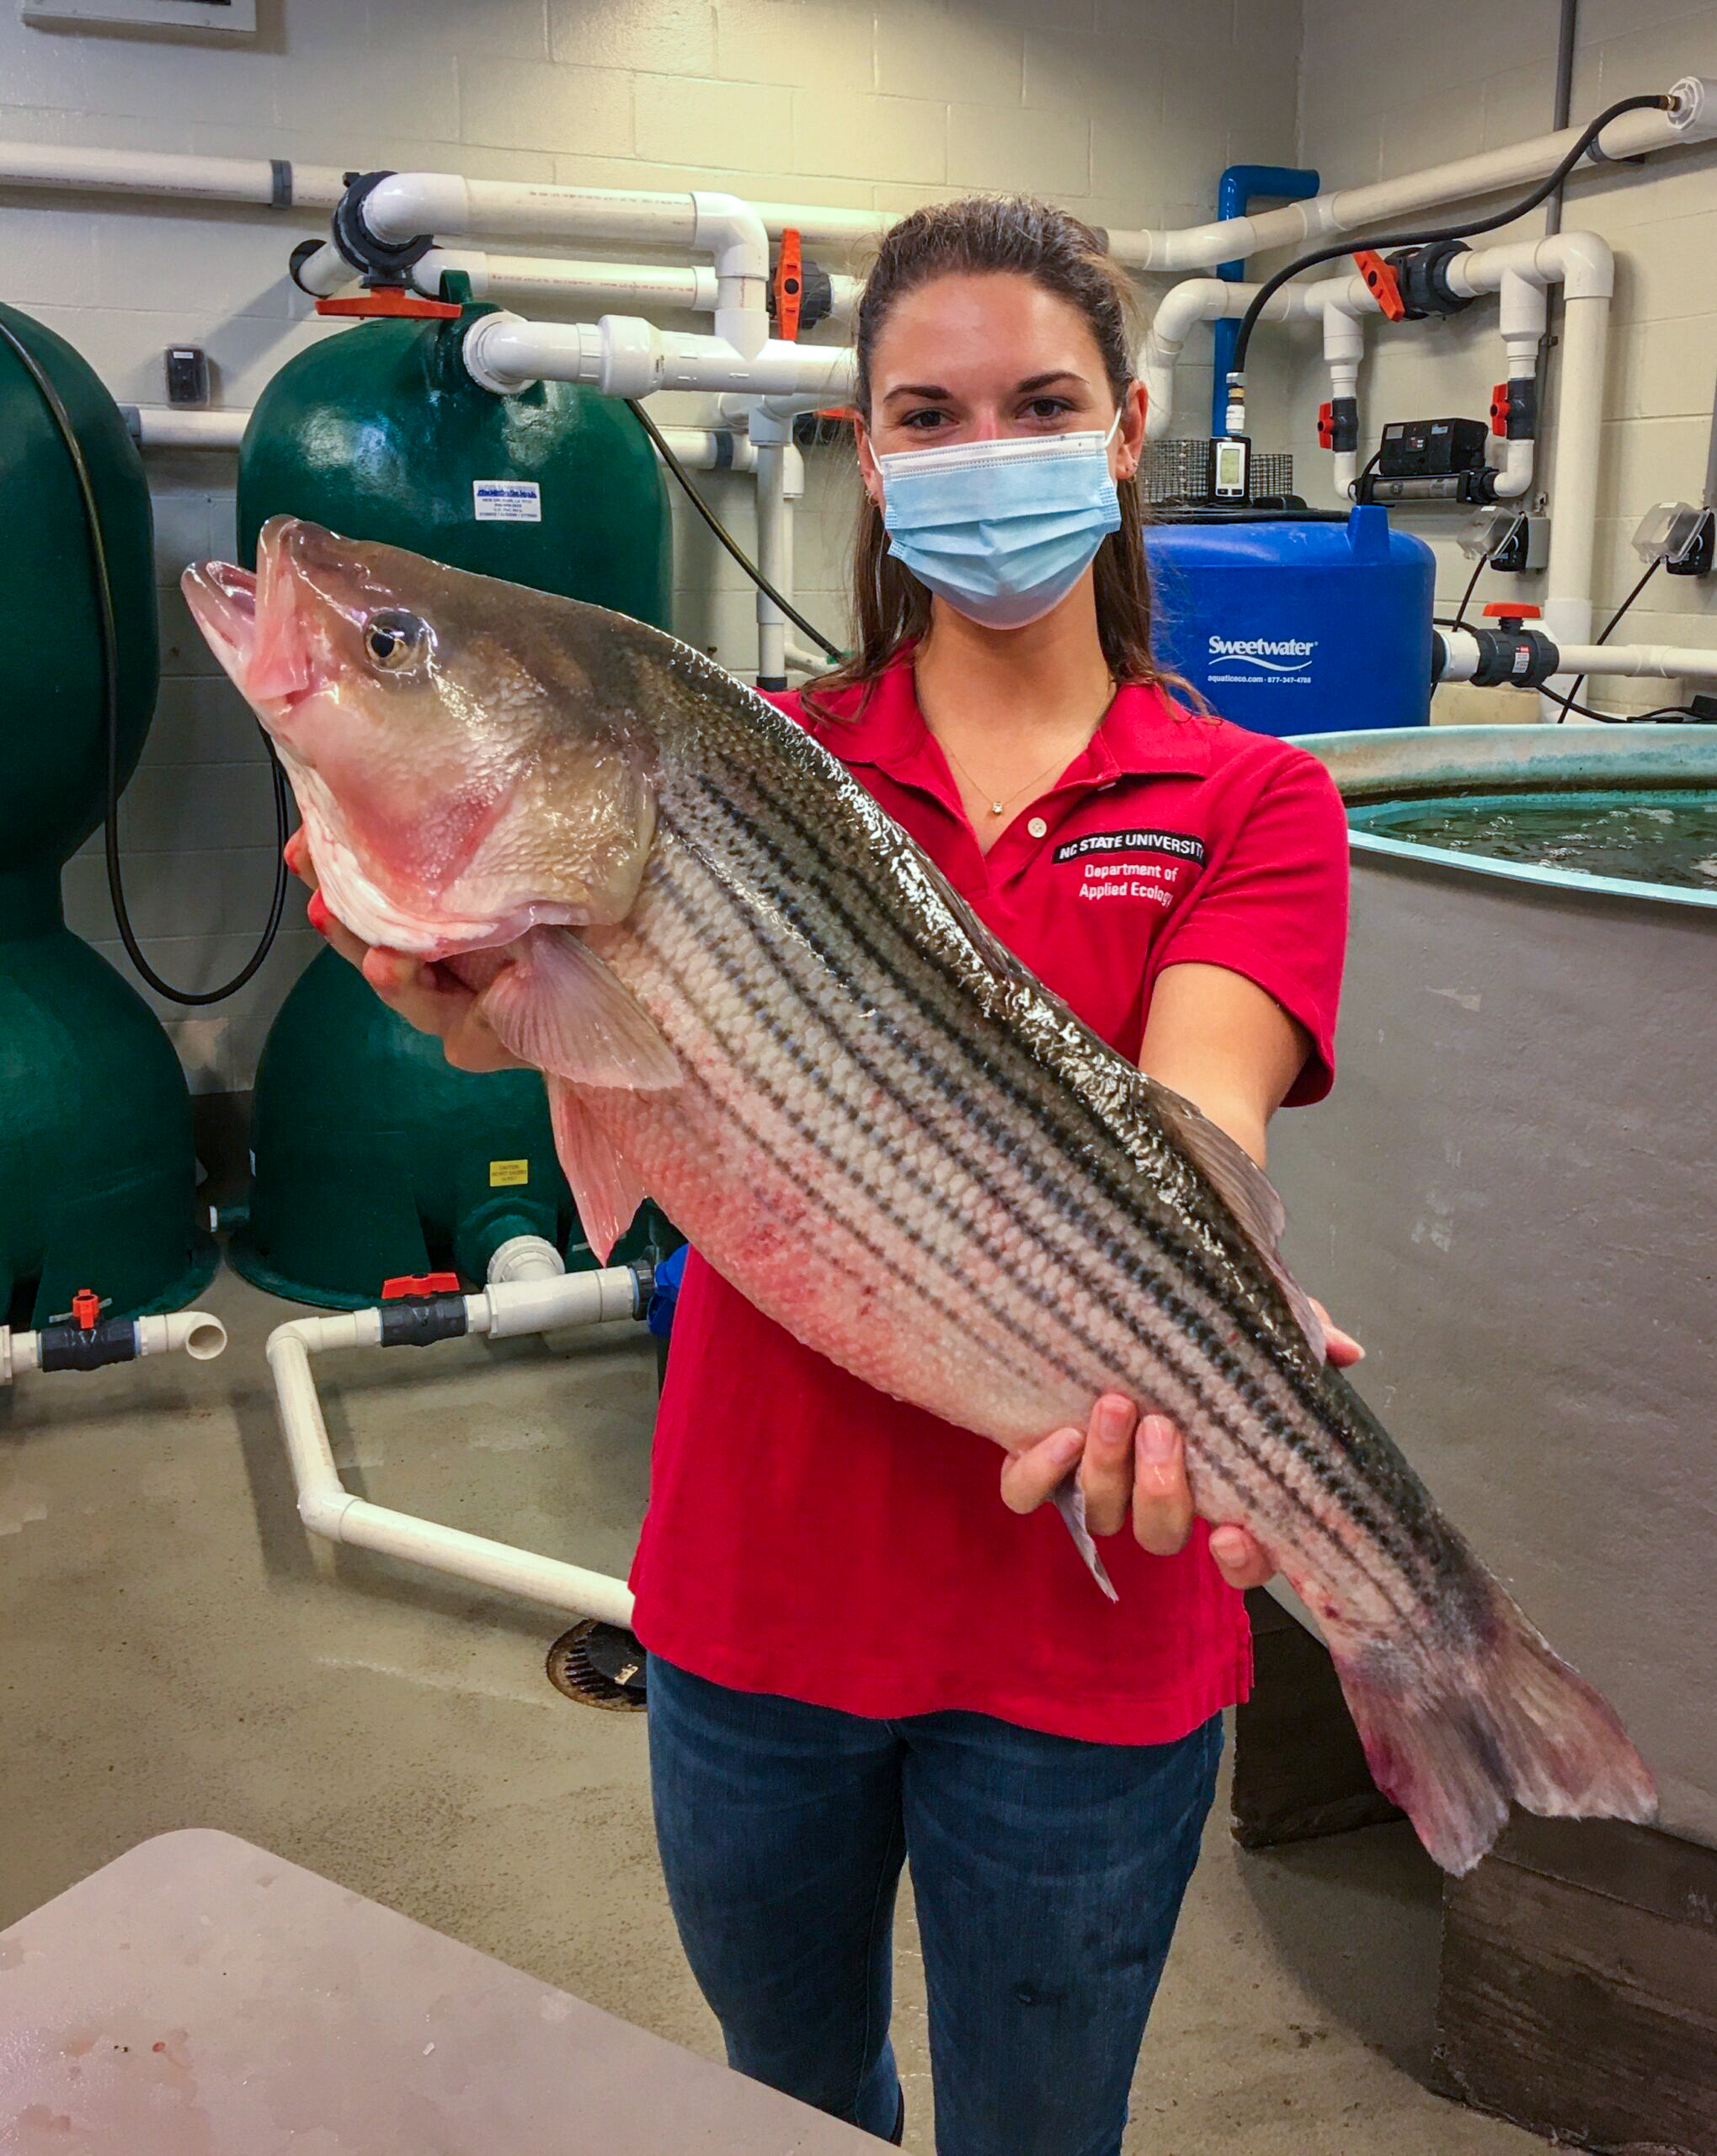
[{"x": 1294, "y": 622}]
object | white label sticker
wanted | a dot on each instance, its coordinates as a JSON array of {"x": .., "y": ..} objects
[{"x": 506, "y": 501}]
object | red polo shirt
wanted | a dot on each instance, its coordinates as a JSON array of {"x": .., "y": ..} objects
[{"x": 809, "y": 1536}]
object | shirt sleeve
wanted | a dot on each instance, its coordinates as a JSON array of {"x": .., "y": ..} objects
[{"x": 1272, "y": 905}]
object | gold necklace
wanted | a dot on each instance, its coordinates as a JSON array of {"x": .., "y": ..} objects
[{"x": 999, "y": 808}]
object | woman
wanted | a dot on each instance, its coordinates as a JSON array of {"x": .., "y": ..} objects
[{"x": 856, "y": 1655}]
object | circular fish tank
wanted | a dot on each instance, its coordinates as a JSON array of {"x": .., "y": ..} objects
[{"x": 1512, "y": 1195}]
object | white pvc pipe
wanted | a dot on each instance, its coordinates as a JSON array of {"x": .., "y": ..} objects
[
  {"x": 166, "y": 426},
  {"x": 276, "y": 184},
  {"x": 1691, "y": 119},
  {"x": 780, "y": 480},
  {"x": 549, "y": 280},
  {"x": 1670, "y": 661},
  {"x": 327, "y": 1509},
  {"x": 1179, "y": 312},
  {"x": 1568, "y": 573},
  {"x": 623, "y": 355},
  {"x": 199, "y": 1334}
]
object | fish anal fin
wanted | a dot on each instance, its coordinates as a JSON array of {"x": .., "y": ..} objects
[
  {"x": 1070, "y": 1503},
  {"x": 559, "y": 1006},
  {"x": 605, "y": 1190},
  {"x": 1246, "y": 1191}
]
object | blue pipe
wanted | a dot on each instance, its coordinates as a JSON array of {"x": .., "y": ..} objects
[{"x": 1239, "y": 185}]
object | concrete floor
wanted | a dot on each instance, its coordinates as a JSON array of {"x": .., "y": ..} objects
[{"x": 174, "y": 1656}]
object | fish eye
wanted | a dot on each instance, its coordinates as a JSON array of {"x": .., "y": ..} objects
[{"x": 393, "y": 637}]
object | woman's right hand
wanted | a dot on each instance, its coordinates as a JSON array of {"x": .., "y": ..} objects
[{"x": 426, "y": 996}]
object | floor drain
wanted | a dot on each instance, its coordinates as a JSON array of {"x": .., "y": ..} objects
[{"x": 600, "y": 1665}]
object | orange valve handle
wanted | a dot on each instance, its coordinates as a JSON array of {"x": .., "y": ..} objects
[
  {"x": 389, "y": 300},
  {"x": 1510, "y": 610},
  {"x": 1498, "y": 408},
  {"x": 789, "y": 285},
  {"x": 86, "y": 1309},
  {"x": 1327, "y": 426},
  {"x": 1381, "y": 283}
]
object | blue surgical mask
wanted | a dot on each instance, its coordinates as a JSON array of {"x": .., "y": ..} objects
[{"x": 1003, "y": 528}]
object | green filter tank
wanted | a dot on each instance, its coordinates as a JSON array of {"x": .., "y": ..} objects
[
  {"x": 97, "y": 1169},
  {"x": 371, "y": 1158}
]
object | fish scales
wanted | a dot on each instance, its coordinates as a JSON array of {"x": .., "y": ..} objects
[
  {"x": 1116, "y": 1361},
  {"x": 753, "y": 997},
  {"x": 1053, "y": 1184}
]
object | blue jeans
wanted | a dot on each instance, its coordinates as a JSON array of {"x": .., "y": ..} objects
[{"x": 1048, "y": 1874}]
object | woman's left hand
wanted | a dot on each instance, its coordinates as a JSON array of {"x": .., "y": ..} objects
[{"x": 1129, "y": 1463}]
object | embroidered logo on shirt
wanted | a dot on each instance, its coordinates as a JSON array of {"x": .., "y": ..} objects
[
  {"x": 1175, "y": 842},
  {"x": 1115, "y": 865}
]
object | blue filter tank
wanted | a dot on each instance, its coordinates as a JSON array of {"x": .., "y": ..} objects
[{"x": 1295, "y": 621}]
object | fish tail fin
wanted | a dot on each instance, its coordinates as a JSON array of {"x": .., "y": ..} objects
[{"x": 1452, "y": 1739}]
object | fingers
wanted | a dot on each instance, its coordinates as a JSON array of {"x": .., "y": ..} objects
[
  {"x": 1344, "y": 1349},
  {"x": 1106, "y": 1471},
  {"x": 1162, "y": 1502},
  {"x": 1242, "y": 1562},
  {"x": 1030, "y": 1476},
  {"x": 295, "y": 853}
]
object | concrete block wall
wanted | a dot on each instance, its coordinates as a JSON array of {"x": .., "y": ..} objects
[
  {"x": 1125, "y": 109},
  {"x": 1379, "y": 96}
]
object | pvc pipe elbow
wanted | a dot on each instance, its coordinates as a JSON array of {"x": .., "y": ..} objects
[
  {"x": 734, "y": 235},
  {"x": 200, "y": 1333},
  {"x": 1198, "y": 298},
  {"x": 407, "y": 203},
  {"x": 323, "y": 272},
  {"x": 323, "y": 1512},
  {"x": 1585, "y": 264}
]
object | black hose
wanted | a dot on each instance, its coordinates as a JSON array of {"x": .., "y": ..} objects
[
  {"x": 1467, "y": 230},
  {"x": 1604, "y": 634},
  {"x": 1482, "y": 564},
  {"x": 110, "y": 706},
  {"x": 720, "y": 530}
]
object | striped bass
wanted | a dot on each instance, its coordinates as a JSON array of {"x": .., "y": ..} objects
[{"x": 754, "y": 997}]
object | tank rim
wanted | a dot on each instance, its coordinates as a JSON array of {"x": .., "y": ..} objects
[{"x": 1417, "y": 763}]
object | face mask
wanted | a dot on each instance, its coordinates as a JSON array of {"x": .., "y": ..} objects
[{"x": 1002, "y": 529}]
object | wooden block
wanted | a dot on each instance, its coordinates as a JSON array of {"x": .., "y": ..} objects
[
  {"x": 1299, "y": 1768},
  {"x": 1578, "y": 1994}
]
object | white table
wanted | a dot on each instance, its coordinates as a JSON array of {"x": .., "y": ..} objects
[{"x": 198, "y": 1997}]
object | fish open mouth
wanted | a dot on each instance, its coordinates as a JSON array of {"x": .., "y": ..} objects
[{"x": 255, "y": 625}]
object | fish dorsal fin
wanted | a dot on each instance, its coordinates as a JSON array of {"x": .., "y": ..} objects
[
  {"x": 1244, "y": 1188},
  {"x": 560, "y": 1007},
  {"x": 605, "y": 1189}
]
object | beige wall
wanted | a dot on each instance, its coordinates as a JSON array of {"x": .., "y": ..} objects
[
  {"x": 1381, "y": 96},
  {"x": 1124, "y": 110}
]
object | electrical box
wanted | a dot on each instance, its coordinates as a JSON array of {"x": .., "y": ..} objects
[
  {"x": 236, "y": 17},
  {"x": 1431, "y": 449},
  {"x": 187, "y": 374}
]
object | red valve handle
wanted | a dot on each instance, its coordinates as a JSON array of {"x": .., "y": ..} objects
[
  {"x": 1500, "y": 408},
  {"x": 1326, "y": 426},
  {"x": 420, "y": 1284},
  {"x": 789, "y": 285},
  {"x": 1381, "y": 283},
  {"x": 1510, "y": 610}
]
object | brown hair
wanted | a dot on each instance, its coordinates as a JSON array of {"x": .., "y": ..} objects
[{"x": 982, "y": 233}]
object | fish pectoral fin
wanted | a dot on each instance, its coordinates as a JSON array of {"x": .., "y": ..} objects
[
  {"x": 1246, "y": 1191},
  {"x": 605, "y": 1189},
  {"x": 559, "y": 1006},
  {"x": 1070, "y": 1503}
]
